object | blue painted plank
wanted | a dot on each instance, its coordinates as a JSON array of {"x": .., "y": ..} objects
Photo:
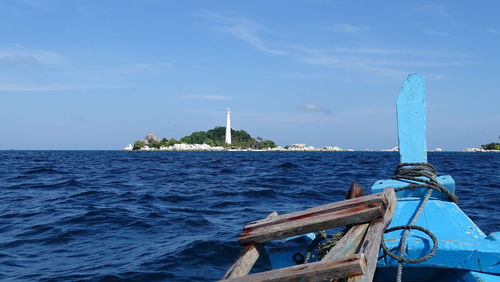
[
  {"x": 412, "y": 120},
  {"x": 462, "y": 244},
  {"x": 445, "y": 180}
]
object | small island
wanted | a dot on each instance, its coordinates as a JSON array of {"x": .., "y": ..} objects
[
  {"x": 491, "y": 147},
  {"x": 213, "y": 140}
]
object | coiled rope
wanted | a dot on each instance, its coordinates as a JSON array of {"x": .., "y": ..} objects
[
  {"x": 330, "y": 240},
  {"x": 418, "y": 175}
]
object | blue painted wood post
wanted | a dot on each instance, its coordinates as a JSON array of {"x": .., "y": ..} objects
[{"x": 412, "y": 120}]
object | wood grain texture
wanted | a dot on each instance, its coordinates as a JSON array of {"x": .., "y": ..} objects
[
  {"x": 312, "y": 223},
  {"x": 360, "y": 201},
  {"x": 247, "y": 258},
  {"x": 349, "y": 244},
  {"x": 317, "y": 271},
  {"x": 371, "y": 244}
]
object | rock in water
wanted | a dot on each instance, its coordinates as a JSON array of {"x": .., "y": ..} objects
[
  {"x": 128, "y": 148},
  {"x": 150, "y": 139}
]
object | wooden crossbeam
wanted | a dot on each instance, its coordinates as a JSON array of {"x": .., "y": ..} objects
[
  {"x": 373, "y": 238},
  {"x": 247, "y": 258},
  {"x": 353, "y": 257},
  {"x": 316, "y": 271},
  {"x": 349, "y": 244},
  {"x": 332, "y": 207},
  {"x": 355, "y": 211}
]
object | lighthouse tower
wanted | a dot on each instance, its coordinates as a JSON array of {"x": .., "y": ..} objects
[{"x": 228, "y": 127}]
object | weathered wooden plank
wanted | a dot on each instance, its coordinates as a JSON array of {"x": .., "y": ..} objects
[
  {"x": 412, "y": 120},
  {"x": 349, "y": 244},
  {"x": 317, "y": 271},
  {"x": 246, "y": 259},
  {"x": 356, "y": 202},
  {"x": 312, "y": 223},
  {"x": 371, "y": 244}
]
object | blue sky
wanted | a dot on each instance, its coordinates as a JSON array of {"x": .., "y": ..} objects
[{"x": 101, "y": 74}]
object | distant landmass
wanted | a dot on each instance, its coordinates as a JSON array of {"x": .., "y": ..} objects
[
  {"x": 214, "y": 138},
  {"x": 491, "y": 146}
]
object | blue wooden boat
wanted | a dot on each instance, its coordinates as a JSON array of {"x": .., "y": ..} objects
[
  {"x": 464, "y": 252},
  {"x": 429, "y": 238}
]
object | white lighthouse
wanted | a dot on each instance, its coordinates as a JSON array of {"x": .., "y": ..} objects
[{"x": 228, "y": 127}]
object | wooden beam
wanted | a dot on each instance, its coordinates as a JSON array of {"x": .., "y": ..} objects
[
  {"x": 356, "y": 202},
  {"x": 312, "y": 223},
  {"x": 247, "y": 258},
  {"x": 317, "y": 271},
  {"x": 349, "y": 244},
  {"x": 371, "y": 244}
]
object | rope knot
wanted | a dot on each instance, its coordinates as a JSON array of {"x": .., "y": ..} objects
[{"x": 417, "y": 175}]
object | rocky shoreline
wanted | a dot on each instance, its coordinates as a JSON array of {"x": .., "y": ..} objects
[
  {"x": 205, "y": 147},
  {"x": 475, "y": 150},
  {"x": 150, "y": 139},
  {"x": 288, "y": 148}
]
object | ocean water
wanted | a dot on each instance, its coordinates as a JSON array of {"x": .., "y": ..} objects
[{"x": 175, "y": 216}]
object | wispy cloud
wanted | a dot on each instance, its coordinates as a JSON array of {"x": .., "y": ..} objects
[
  {"x": 23, "y": 55},
  {"x": 492, "y": 30},
  {"x": 343, "y": 27},
  {"x": 206, "y": 97},
  {"x": 382, "y": 62},
  {"x": 399, "y": 51},
  {"x": 314, "y": 109},
  {"x": 31, "y": 88},
  {"x": 138, "y": 67},
  {"x": 15, "y": 59},
  {"x": 37, "y": 4},
  {"x": 242, "y": 29},
  {"x": 438, "y": 33},
  {"x": 438, "y": 10},
  {"x": 52, "y": 87}
]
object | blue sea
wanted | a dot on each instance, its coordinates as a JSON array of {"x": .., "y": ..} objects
[{"x": 175, "y": 216}]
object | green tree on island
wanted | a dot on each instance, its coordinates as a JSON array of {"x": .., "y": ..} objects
[
  {"x": 137, "y": 145},
  {"x": 217, "y": 135},
  {"x": 216, "y": 138},
  {"x": 491, "y": 146}
]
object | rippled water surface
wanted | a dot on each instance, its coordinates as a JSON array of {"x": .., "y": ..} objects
[{"x": 174, "y": 216}]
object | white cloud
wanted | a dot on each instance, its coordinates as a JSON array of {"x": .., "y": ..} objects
[
  {"x": 241, "y": 29},
  {"x": 315, "y": 109},
  {"x": 37, "y": 4},
  {"x": 30, "y": 88},
  {"x": 206, "y": 97},
  {"x": 381, "y": 62},
  {"x": 27, "y": 87},
  {"x": 492, "y": 30},
  {"x": 438, "y": 33},
  {"x": 349, "y": 28},
  {"x": 396, "y": 51},
  {"x": 23, "y": 55}
]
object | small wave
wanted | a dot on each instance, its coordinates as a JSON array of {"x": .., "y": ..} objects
[
  {"x": 84, "y": 194},
  {"x": 197, "y": 221},
  {"x": 225, "y": 204},
  {"x": 139, "y": 224},
  {"x": 288, "y": 165},
  {"x": 227, "y": 171},
  {"x": 175, "y": 198},
  {"x": 38, "y": 185},
  {"x": 36, "y": 230},
  {"x": 260, "y": 193},
  {"x": 44, "y": 170},
  {"x": 68, "y": 183},
  {"x": 147, "y": 197},
  {"x": 134, "y": 276}
]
